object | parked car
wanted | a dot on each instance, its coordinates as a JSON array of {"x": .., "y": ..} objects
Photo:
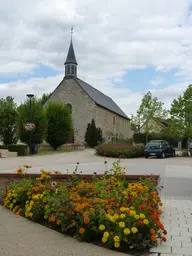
[{"x": 159, "y": 148}]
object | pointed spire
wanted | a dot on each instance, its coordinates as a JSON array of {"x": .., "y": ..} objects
[{"x": 71, "y": 59}]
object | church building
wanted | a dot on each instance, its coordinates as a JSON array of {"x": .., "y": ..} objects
[{"x": 87, "y": 103}]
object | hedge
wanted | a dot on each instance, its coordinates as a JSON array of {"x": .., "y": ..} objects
[
  {"x": 3, "y": 147},
  {"x": 120, "y": 150},
  {"x": 21, "y": 149}
]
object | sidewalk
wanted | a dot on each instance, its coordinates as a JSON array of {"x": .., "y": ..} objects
[{"x": 21, "y": 237}]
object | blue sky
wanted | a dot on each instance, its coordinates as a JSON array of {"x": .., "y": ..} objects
[{"x": 112, "y": 41}]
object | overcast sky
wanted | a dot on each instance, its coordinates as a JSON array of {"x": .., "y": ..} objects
[{"x": 123, "y": 47}]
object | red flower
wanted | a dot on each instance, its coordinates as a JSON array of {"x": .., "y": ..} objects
[
  {"x": 77, "y": 163},
  {"x": 142, "y": 207},
  {"x": 129, "y": 198},
  {"x": 140, "y": 222},
  {"x": 94, "y": 173},
  {"x": 165, "y": 232},
  {"x": 164, "y": 239}
]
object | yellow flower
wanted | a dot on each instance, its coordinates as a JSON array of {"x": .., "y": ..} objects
[
  {"x": 20, "y": 170},
  {"x": 123, "y": 209},
  {"x": 142, "y": 216},
  {"x": 104, "y": 239},
  {"x": 136, "y": 217},
  {"x": 126, "y": 231},
  {"x": 134, "y": 230},
  {"x": 101, "y": 227},
  {"x": 132, "y": 213},
  {"x": 106, "y": 234},
  {"x": 121, "y": 224},
  {"x": 122, "y": 216},
  {"x": 27, "y": 166},
  {"x": 146, "y": 221},
  {"x": 132, "y": 208},
  {"x": 116, "y": 238},
  {"x": 116, "y": 244}
]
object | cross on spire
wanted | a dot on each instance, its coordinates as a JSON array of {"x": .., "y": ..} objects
[{"x": 71, "y": 32}]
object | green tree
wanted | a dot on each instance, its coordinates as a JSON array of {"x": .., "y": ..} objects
[
  {"x": 93, "y": 135},
  {"x": 149, "y": 109},
  {"x": 45, "y": 97},
  {"x": 181, "y": 115},
  {"x": 59, "y": 124},
  {"x": 8, "y": 115},
  {"x": 38, "y": 117}
]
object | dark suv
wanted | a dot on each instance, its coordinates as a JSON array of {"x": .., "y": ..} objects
[{"x": 159, "y": 148}]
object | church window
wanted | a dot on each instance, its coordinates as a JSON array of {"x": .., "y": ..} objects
[
  {"x": 69, "y": 106},
  {"x": 68, "y": 70},
  {"x": 72, "y": 70},
  {"x": 113, "y": 120}
]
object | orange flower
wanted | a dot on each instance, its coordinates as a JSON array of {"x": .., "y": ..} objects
[
  {"x": 153, "y": 238},
  {"x": 86, "y": 220},
  {"x": 81, "y": 231},
  {"x": 58, "y": 222},
  {"x": 152, "y": 231},
  {"x": 51, "y": 218},
  {"x": 74, "y": 222}
]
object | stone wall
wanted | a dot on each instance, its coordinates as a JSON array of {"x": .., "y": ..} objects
[
  {"x": 83, "y": 107},
  {"x": 112, "y": 124}
]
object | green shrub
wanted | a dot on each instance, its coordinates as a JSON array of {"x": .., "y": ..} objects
[
  {"x": 139, "y": 138},
  {"x": 59, "y": 124},
  {"x": 120, "y": 150},
  {"x": 21, "y": 149},
  {"x": 3, "y": 147},
  {"x": 93, "y": 135}
]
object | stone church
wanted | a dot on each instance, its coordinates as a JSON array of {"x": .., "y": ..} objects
[{"x": 87, "y": 103}]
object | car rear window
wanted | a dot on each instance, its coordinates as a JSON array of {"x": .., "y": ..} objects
[{"x": 153, "y": 145}]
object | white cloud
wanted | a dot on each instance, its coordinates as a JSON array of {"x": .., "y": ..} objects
[
  {"x": 110, "y": 37},
  {"x": 157, "y": 81}
]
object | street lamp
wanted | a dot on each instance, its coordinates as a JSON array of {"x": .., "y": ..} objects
[{"x": 30, "y": 96}]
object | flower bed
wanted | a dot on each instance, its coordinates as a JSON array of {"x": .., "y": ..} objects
[
  {"x": 120, "y": 150},
  {"x": 107, "y": 210}
]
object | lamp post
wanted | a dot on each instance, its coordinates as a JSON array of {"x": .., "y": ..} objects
[{"x": 30, "y": 96}]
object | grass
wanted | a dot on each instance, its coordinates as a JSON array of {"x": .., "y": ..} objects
[{"x": 49, "y": 151}]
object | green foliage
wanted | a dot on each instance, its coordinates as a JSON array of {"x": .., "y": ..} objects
[
  {"x": 139, "y": 138},
  {"x": 22, "y": 150},
  {"x": 149, "y": 109},
  {"x": 181, "y": 115},
  {"x": 59, "y": 124},
  {"x": 93, "y": 135},
  {"x": 119, "y": 150},
  {"x": 38, "y": 117},
  {"x": 8, "y": 115},
  {"x": 45, "y": 97}
]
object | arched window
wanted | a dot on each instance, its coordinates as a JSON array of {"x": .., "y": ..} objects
[
  {"x": 68, "y": 70},
  {"x": 72, "y": 70},
  {"x": 113, "y": 120},
  {"x": 69, "y": 106}
]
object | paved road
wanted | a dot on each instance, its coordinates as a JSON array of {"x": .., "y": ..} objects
[
  {"x": 19, "y": 237},
  {"x": 175, "y": 173}
]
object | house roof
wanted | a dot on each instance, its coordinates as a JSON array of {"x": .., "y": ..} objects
[
  {"x": 71, "y": 55},
  {"x": 100, "y": 99}
]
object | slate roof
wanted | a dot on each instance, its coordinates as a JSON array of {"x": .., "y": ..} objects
[
  {"x": 71, "y": 55},
  {"x": 100, "y": 99}
]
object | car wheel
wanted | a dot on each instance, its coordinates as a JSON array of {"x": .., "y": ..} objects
[
  {"x": 163, "y": 155},
  {"x": 146, "y": 157}
]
